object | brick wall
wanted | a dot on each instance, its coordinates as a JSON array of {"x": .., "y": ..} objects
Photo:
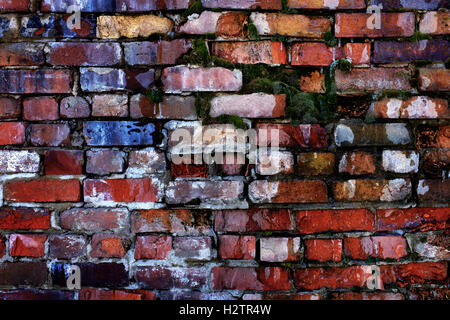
[{"x": 354, "y": 206}]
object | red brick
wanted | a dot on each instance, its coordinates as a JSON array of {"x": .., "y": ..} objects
[
  {"x": 9, "y": 108},
  {"x": 383, "y": 247},
  {"x": 66, "y": 246},
  {"x": 319, "y": 54},
  {"x": 419, "y": 107},
  {"x": 27, "y": 245},
  {"x": 372, "y": 190},
  {"x": 115, "y": 295},
  {"x": 103, "y": 162},
  {"x": 48, "y": 190},
  {"x": 24, "y": 219},
  {"x": 44, "y": 81},
  {"x": 122, "y": 190},
  {"x": 2, "y": 247},
  {"x": 237, "y": 247},
  {"x": 60, "y": 162},
  {"x": 182, "y": 78},
  {"x": 357, "y": 163},
  {"x": 323, "y": 249},
  {"x": 21, "y": 54},
  {"x": 243, "y": 4},
  {"x": 107, "y": 246},
  {"x": 323, "y": 4},
  {"x": 366, "y": 296},
  {"x": 42, "y": 108},
  {"x": 332, "y": 278},
  {"x": 84, "y": 54},
  {"x": 353, "y": 25},
  {"x": 94, "y": 220},
  {"x": 254, "y": 52},
  {"x": 33, "y": 274},
  {"x": 172, "y": 107},
  {"x": 232, "y": 25},
  {"x": 411, "y": 273},
  {"x": 317, "y": 221},
  {"x": 153, "y": 247},
  {"x": 301, "y": 191},
  {"x": 50, "y": 135},
  {"x": 313, "y": 82},
  {"x": 110, "y": 105},
  {"x": 435, "y": 22},
  {"x": 189, "y": 170},
  {"x": 423, "y": 219},
  {"x": 313, "y": 164},
  {"x": 304, "y": 136},
  {"x": 12, "y": 133},
  {"x": 193, "y": 248},
  {"x": 433, "y": 137},
  {"x": 267, "y": 279},
  {"x": 280, "y": 249},
  {"x": 280, "y": 296},
  {"x": 16, "y": 5},
  {"x": 434, "y": 79},
  {"x": 253, "y": 220},
  {"x": 170, "y": 278}
]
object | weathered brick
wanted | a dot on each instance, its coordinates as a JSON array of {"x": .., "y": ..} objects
[
  {"x": 342, "y": 220},
  {"x": 45, "y": 81},
  {"x": 62, "y": 6},
  {"x": 172, "y": 107},
  {"x": 9, "y": 108},
  {"x": 24, "y": 219},
  {"x": 115, "y": 133},
  {"x": 314, "y": 164},
  {"x": 392, "y": 52},
  {"x": 21, "y": 54},
  {"x": 115, "y": 295},
  {"x": 304, "y": 136},
  {"x": 52, "y": 26},
  {"x": 353, "y": 25},
  {"x": 280, "y": 249},
  {"x": 170, "y": 278},
  {"x": 23, "y": 274},
  {"x": 193, "y": 248},
  {"x": 152, "y": 247},
  {"x": 420, "y": 107},
  {"x": 110, "y": 105},
  {"x": 293, "y": 25},
  {"x": 434, "y": 190},
  {"x": 147, "y": 161},
  {"x": 275, "y": 162},
  {"x": 433, "y": 137},
  {"x": 429, "y": 293},
  {"x": 2, "y": 247},
  {"x": 361, "y": 134},
  {"x": 410, "y": 4},
  {"x": 156, "y": 53},
  {"x": 40, "y": 108},
  {"x": 313, "y": 82},
  {"x": 267, "y": 279},
  {"x": 107, "y": 274},
  {"x": 74, "y": 107},
  {"x": 411, "y": 273},
  {"x": 86, "y": 29},
  {"x": 48, "y": 190},
  {"x": 434, "y": 79},
  {"x": 66, "y": 246},
  {"x": 94, "y": 220},
  {"x": 436, "y": 162},
  {"x": 256, "y": 105},
  {"x": 366, "y": 296},
  {"x": 58, "y": 162},
  {"x": 325, "y": 4},
  {"x": 243, "y": 4},
  {"x": 50, "y": 135},
  {"x": 232, "y": 25},
  {"x": 115, "y": 5},
  {"x": 107, "y": 246},
  {"x": 102, "y": 79},
  {"x": 332, "y": 278},
  {"x": 205, "y": 23},
  {"x": 179, "y": 221},
  {"x": 19, "y": 161},
  {"x": 27, "y": 245},
  {"x": 357, "y": 163},
  {"x": 206, "y": 191},
  {"x": 189, "y": 170},
  {"x": 84, "y": 54},
  {"x": 122, "y": 190},
  {"x": 104, "y": 162},
  {"x": 372, "y": 190},
  {"x": 114, "y": 27},
  {"x": 268, "y": 52},
  {"x": 363, "y": 80},
  {"x": 16, "y": 5},
  {"x": 323, "y": 250},
  {"x": 413, "y": 218},
  {"x": 36, "y": 294},
  {"x": 383, "y": 247},
  {"x": 400, "y": 161},
  {"x": 319, "y": 54},
  {"x": 434, "y": 246},
  {"x": 182, "y": 78},
  {"x": 12, "y": 133},
  {"x": 300, "y": 191},
  {"x": 435, "y": 23},
  {"x": 253, "y": 220},
  {"x": 237, "y": 247}
]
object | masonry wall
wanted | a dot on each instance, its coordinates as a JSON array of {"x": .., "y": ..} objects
[{"x": 354, "y": 206}]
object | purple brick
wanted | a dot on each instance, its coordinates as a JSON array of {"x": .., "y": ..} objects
[
  {"x": 88, "y": 26},
  {"x": 39, "y": 26},
  {"x": 21, "y": 54},
  {"x": 156, "y": 53},
  {"x": 74, "y": 107},
  {"x": 412, "y": 4},
  {"x": 84, "y": 54},
  {"x": 102, "y": 162},
  {"x": 391, "y": 51},
  {"x": 102, "y": 79},
  {"x": 85, "y": 6},
  {"x": 139, "y": 79}
]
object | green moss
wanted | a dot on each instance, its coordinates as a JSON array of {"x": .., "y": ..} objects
[
  {"x": 417, "y": 36},
  {"x": 284, "y": 6},
  {"x": 344, "y": 65},
  {"x": 235, "y": 120},
  {"x": 253, "y": 33},
  {"x": 330, "y": 40},
  {"x": 398, "y": 94},
  {"x": 155, "y": 95},
  {"x": 422, "y": 63},
  {"x": 199, "y": 54},
  {"x": 195, "y": 7}
]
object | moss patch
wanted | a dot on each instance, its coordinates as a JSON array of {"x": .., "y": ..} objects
[
  {"x": 330, "y": 40},
  {"x": 155, "y": 95},
  {"x": 195, "y": 7},
  {"x": 417, "y": 36}
]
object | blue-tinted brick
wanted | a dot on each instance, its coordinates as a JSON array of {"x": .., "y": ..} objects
[
  {"x": 4, "y": 26},
  {"x": 87, "y": 28},
  {"x": 412, "y": 4},
  {"x": 36, "y": 26},
  {"x": 102, "y": 79},
  {"x": 118, "y": 133},
  {"x": 85, "y": 6}
]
